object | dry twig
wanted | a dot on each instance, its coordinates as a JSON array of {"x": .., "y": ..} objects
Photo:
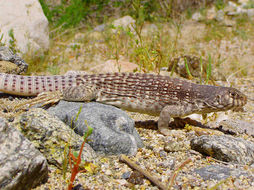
[{"x": 150, "y": 177}]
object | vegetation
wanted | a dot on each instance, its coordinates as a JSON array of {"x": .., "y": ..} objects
[
  {"x": 149, "y": 50},
  {"x": 159, "y": 34},
  {"x": 75, "y": 161}
]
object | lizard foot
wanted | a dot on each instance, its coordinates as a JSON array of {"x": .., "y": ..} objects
[
  {"x": 43, "y": 98},
  {"x": 165, "y": 131}
]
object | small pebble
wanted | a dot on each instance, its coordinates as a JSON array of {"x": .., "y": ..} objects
[
  {"x": 136, "y": 178},
  {"x": 126, "y": 175}
]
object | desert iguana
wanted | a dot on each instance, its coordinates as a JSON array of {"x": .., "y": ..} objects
[{"x": 145, "y": 93}]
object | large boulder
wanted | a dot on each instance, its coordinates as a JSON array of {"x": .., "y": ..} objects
[
  {"x": 113, "y": 130},
  {"x": 28, "y": 23},
  {"x": 22, "y": 166}
]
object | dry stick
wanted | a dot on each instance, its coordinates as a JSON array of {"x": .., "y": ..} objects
[
  {"x": 153, "y": 179},
  {"x": 176, "y": 171}
]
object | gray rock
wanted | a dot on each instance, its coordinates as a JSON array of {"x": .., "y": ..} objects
[
  {"x": 7, "y": 55},
  {"x": 225, "y": 148},
  {"x": 125, "y": 23},
  {"x": 22, "y": 166},
  {"x": 220, "y": 16},
  {"x": 51, "y": 136},
  {"x": 100, "y": 28},
  {"x": 113, "y": 133},
  {"x": 237, "y": 127},
  {"x": 250, "y": 12},
  {"x": 218, "y": 172},
  {"x": 193, "y": 62},
  {"x": 173, "y": 146},
  {"x": 197, "y": 16}
]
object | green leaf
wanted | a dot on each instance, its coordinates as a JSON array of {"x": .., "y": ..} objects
[
  {"x": 209, "y": 69},
  {"x": 89, "y": 130},
  {"x": 187, "y": 68}
]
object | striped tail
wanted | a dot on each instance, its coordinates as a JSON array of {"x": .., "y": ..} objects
[{"x": 33, "y": 85}]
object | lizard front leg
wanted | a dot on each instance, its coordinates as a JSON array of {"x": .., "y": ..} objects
[{"x": 174, "y": 111}]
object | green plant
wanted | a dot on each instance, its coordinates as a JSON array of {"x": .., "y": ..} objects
[
  {"x": 215, "y": 31},
  {"x": 209, "y": 69},
  {"x": 12, "y": 41},
  {"x": 249, "y": 4},
  {"x": 244, "y": 27},
  {"x": 75, "y": 161},
  {"x": 187, "y": 69},
  {"x": 67, "y": 145},
  {"x": 220, "y": 4},
  {"x": 201, "y": 69},
  {"x": 71, "y": 13},
  {"x": 1, "y": 38}
]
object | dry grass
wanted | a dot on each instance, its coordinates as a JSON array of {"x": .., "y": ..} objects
[{"x": 231, "y": 48}]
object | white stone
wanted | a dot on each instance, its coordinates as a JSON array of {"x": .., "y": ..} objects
[
  {"x": 125, "y": 22},
  {"x": 197, "y": 16},
  {"x": 28, "y": 22},
  {"x": 250, "y": 12},
  {"x": 220, "y": 16}
]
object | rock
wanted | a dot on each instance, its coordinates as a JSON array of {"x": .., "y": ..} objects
[
  {"x": 237, "y": 127},
  {"x": 220, "y": 16},
  {"x": 218, "y": 172},
  {"x": 225, "y": 148},
  {"x": 22, "y": 166},
  {"x": 100, "y": 28},
  {"x": 9, "y": 67},
  {"x": 173, "y": 146},
  {"x": 7, "y": 55},
  {"x": 126, "y": 23},
  {"x": 136, "y": 178},
  {"x": 29, "y": 25},
  {"x": 230, "y": 7},
  {"x": 149, "y": 29},
  {"x": 111, "y": 66},
  {"x": 193, "y": 63},
  {"x": 250, "y": 12},
  {"x": 197, "y": 16},
  {"x": 51, "y": 136},
  {"x": 229, "y": 22},
  {"x": 241, "y": 9},
  {"x": 126, "y": 175},
  {"x": 113, "y": 133},
  {"x": 211, "y": 13}
]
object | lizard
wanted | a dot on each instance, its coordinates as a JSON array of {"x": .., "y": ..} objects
[{"x": 152, "y": 94}]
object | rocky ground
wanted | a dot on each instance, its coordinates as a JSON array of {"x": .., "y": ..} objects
[
  {"x": 161, "y": 155},
  {"x": 220, "y": 157}
]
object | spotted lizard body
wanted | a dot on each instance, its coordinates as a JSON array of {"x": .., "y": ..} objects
[{"x": 145, "y": 93}]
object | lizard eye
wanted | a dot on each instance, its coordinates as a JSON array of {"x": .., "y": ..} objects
[{"x": 233, "y": 94}]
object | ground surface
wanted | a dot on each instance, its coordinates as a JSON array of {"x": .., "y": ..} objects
[{"x": 232, "y": 51}]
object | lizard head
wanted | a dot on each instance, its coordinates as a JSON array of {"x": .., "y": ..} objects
[{"x": 224, "y": 98}]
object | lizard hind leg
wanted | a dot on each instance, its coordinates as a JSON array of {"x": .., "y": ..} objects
[
  {"x": 81, "y": 93},
  {"x": 43, "y": 98}
]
